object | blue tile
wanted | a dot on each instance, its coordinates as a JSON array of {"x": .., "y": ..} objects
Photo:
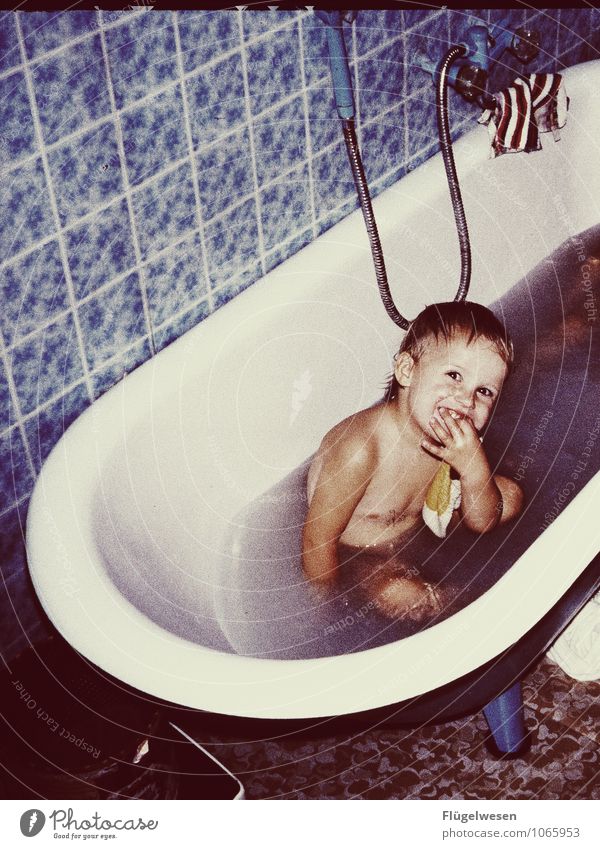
[
  {"x": 71, "y": 89},
  {"x": 216, "y": 100},
  {"x": 331, "y": 217},
  {"x": 175, "y": 280},
  {"x": 374, "y": 27},
  {"x": 44, "y": 364},
  {"x": 285, "y": 207},
  {"x": 10, "y": 55},
  {"x": 273, "y": 69},
  {"x": 431, "y": 38},
  {"x": 165, "y": 210},
  {"x": 325, "y": 125},
  {"x": 546, "y": 25},
  {"x": 86, "y": 173},
  {"x": 126, "y": 14},
  {"x": 316, "y": 54},
  {"x": 47, "y": 425},
  {"x": 12, "y": 541},
  {"x": 232, "y": 242},
  {"x": 27, "y": 217},
  {"x": 205, "y": 35},
  {"x": 383, "y": 143},
  {"x": 279, "y": 254},
  {"x": 280, "y": 140},
  {"x": 44, "y": 31},
  {"x": 422, "y": 124},
  {"x": 141, "y": 55},
  {"x": 7, "y": 413},
  {"x": 517, "y": 17},
  {"x": 573, "y": 28},
  {"x": 333, "y": 182},
  {"x": 15, "y": 477},
  {"x": 417, "y": 17},
  {"x": 33, "y": 291},
  {"x": 100, "y": 249},
  {"x": 174, "y": 329},
  {"x": 256, "y": 22},
  {"x": 573, "y": 56},
  {"x": 123, "y": 364},
  {"x": 154, "y": 135},
  {"x": 224, "y": 173},
  {"x": 381, "y": 80},
  {"x": 236, "y": 284},
  {"x": 112, "y": 320},
  {"x": 17, "y": 137}
]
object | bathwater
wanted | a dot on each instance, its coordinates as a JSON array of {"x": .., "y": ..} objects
[{"x": 545, "y": 433}]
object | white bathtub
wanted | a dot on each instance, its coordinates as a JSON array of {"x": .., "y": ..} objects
[{"x": 145, "y": 483}]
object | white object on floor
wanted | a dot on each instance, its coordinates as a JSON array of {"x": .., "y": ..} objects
[{"x": 577, "y": 650}]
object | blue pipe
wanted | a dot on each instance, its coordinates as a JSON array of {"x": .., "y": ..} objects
[
  {"x": 338, "y": 62},
  {"x": 504, "y": 716}
]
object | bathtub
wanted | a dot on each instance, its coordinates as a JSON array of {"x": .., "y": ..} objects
[{"x": 132, "y": 526}]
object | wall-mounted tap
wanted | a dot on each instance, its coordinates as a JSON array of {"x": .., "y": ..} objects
[{"x": 483, "y": 45}]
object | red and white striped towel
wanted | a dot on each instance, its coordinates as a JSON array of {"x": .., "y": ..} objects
[{"x": 524, "y": 110}]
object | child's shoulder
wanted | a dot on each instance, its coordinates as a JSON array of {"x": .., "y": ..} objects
[{"x": 361, "y": 430}]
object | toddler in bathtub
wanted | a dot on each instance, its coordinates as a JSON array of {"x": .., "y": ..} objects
[{"x": 373, "y": 472}]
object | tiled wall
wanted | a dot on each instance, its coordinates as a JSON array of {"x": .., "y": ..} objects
[{"x": 153, "y": 164}]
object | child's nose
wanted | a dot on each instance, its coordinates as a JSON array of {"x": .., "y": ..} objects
[{"x": 466, "y": 399}]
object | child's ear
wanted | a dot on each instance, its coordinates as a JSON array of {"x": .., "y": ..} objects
[{"x": 404, "y": 368}]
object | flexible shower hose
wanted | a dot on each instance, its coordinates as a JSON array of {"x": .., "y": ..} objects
[
  {"x": 441, "y": 105},
  {"x": 362, "y": 189}
]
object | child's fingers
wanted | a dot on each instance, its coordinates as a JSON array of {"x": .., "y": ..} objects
[
  {"x": 440, "y": 431},
  {"x": 453, "y": 424},
  {"x": 436, "y": 450}
]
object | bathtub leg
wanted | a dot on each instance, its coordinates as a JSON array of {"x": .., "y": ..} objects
[{"x": 504, "y": 716}]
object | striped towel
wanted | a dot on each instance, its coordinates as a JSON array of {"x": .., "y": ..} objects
[{"x": 523, "y": 110}]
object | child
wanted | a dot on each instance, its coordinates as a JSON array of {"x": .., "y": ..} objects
[{"x": 372, "y": 473}]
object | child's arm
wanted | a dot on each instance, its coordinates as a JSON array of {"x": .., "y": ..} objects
[
  {"x": 486, "y": 499},
  {"x": 347, "y": 466}
]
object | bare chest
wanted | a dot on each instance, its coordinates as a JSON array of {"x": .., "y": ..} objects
[{"x": 397, "y": 490}]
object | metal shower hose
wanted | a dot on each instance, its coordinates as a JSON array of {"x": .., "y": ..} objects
[{"x": 364, "y": 197}]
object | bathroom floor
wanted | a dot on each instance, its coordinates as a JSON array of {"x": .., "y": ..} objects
[
  {"x": 69, "y": 731},
  {"x": 447, "y": 761}
]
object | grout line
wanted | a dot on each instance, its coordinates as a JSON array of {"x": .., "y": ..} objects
[
  {"x": 128, "y": 193},
  {"x": 188, "y": 308},
  {"x": 257, "y": 202},
  {"x": 192, "y": 157},
  {"x": 78, "y": 382},
  {"x": 308, "y": 140},
  {"x": 12, "y": 389},
  {"x": 56, "y": 216},
  {"x": 405, "y": 94}
]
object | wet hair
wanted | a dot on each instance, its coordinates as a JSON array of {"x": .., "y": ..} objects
[{"x": 446, "y": 321}]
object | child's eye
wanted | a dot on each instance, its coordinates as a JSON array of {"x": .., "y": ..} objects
[
  {"x": 454, "y": 375},
  {"x": 487, "y": 393}
]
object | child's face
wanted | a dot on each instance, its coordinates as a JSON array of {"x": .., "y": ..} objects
[{"x": 466, "y": 378}]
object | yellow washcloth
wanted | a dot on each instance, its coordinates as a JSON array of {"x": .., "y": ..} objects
[{"x": 442, "y": 499}]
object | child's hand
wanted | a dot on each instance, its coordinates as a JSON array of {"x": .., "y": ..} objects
[{"x": 459, "y": 446}]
